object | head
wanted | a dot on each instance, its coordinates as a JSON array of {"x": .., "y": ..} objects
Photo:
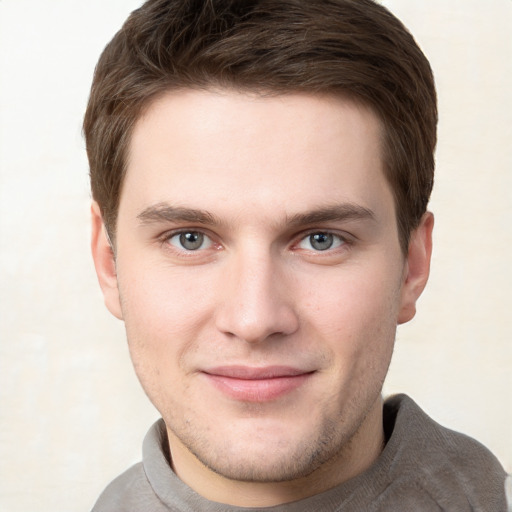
[
  {"x": 262, "y": 170},
  {"x": 353, "y": 49}
]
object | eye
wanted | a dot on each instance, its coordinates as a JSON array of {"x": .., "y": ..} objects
[
  {"x": 190, "y": 240},
  {"x": 321, "y": 241}
]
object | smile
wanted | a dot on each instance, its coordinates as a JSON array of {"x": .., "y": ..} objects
[{"x": 249, "y": 384}]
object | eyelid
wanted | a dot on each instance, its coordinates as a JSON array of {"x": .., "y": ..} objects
[
  {"x": 345, "y": 238},
  {"x": 165, "y": 237},
  {"x": 205, "y": 241}
]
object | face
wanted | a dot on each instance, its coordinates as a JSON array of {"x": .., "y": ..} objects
[{"x": 259, "y": 274}]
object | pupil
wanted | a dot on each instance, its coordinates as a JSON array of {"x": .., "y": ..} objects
[
  {"x": 321, "y": 241},
  {"x": 192, "y": 240}
]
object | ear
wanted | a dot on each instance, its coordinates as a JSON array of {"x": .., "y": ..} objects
[
  {"x": 417, "y": 267},
  {"x": 104, "y": 262}
]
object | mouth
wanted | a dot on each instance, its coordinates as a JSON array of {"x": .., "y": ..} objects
[{"x": 250, "y": 384}]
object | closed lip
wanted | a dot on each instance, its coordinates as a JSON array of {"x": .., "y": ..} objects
[
  {"x": 256, "y": 384},
  {"x": 255, "y": 373}
]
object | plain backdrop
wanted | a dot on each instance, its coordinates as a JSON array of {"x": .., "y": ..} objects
[{"x": 72, "y": 413}]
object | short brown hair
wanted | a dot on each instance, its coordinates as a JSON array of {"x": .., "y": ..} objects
[{"x": 342, "y": 47}]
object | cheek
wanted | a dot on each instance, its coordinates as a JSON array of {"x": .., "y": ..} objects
[
  {"x": 164, "y": 313},
  {"x": 161, "y": 299},
  {"x": 356, "y": 311},
  {"x": 161, "y": 323},
  {"x": 353, "y": 297}
]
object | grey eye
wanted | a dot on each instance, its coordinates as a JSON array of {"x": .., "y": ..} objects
[
  {"x": 190, "y": 241},
  {"x": 321, "y": 241}
]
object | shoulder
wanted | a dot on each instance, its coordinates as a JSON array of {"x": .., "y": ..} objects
[
  {"x": 451, "y": 467},
  {"x": 148, "y": 486},
  {"x": 130, "y": 491}
]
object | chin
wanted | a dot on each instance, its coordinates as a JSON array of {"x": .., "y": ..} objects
[
  {"x": 264, "y": 455},
  {"x": 266, "y": 467}
]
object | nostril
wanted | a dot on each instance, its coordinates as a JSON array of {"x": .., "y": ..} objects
[{"x": 257, "y": 324}]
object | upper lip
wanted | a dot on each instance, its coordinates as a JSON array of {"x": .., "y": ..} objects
[{"x": 255, "y": 373}]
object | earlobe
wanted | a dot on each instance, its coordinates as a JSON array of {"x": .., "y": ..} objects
[
  {"x": 417, "y": 267},
  {"x": 104, "y": 262}
]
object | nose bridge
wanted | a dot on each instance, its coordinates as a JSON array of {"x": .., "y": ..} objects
[{"x": 254, "y": 306}]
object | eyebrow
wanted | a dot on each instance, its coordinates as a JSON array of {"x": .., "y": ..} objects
[
  {"x": 163, "y": 212},
  {"x": 339, "y": 212}
]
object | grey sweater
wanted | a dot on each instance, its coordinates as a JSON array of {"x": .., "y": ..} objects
[{"x": 423, "y": 467}]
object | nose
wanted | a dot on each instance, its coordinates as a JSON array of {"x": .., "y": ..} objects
[{"x": 256, "y": 302}]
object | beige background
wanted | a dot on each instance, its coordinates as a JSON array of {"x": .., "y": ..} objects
[{"x": 72, "y": 414}]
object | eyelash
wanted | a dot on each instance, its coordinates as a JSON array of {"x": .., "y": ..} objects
[
  {"x": 344, "y": 241},
  {"x": 165, "y": 240}
]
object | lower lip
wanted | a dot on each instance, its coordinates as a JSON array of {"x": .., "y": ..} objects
[{"x": 257, "y": 390}]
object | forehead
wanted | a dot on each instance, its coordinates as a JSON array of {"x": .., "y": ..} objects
[{"x": 225, "y": 148}]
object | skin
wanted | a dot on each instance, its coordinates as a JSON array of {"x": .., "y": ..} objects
[{"x": 268, "y": 183}]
